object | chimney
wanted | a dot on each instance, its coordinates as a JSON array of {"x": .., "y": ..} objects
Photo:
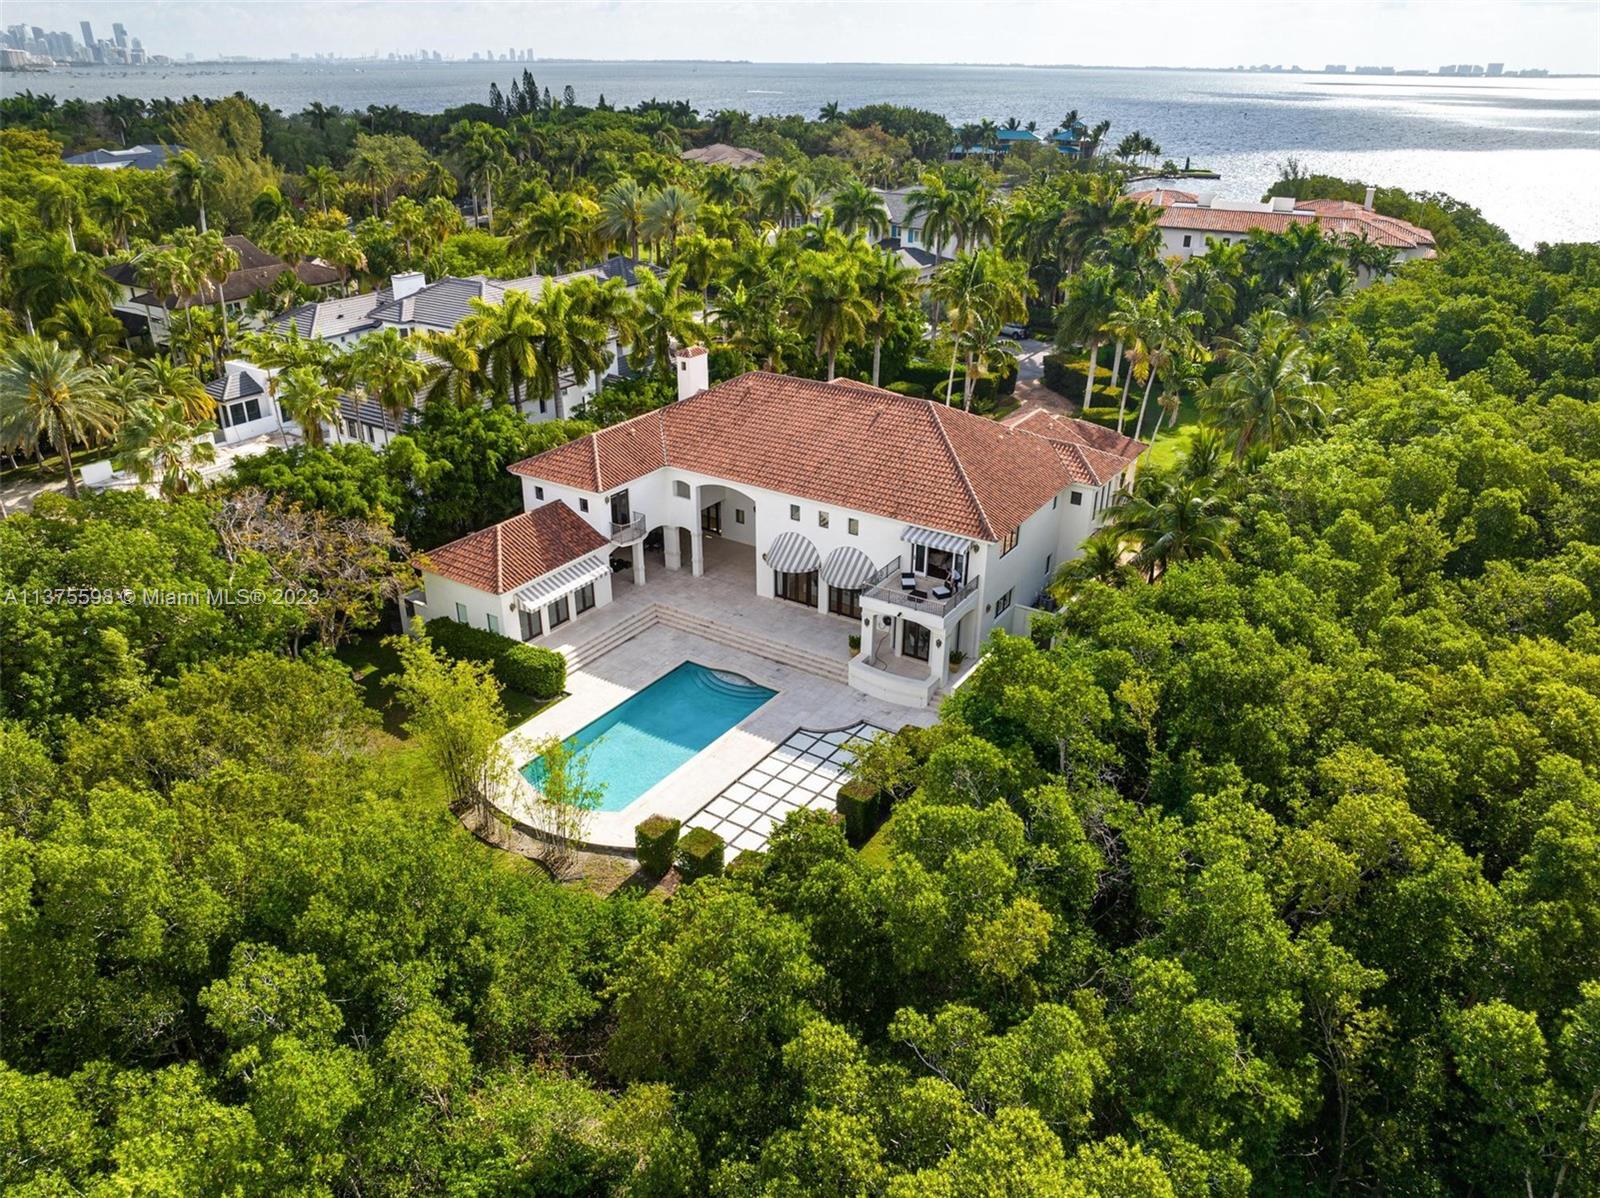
[
  {"x": 1371, "y": 193},
  {"x": 1203, "y": 199},
  {"x": 409, "y": 283},
  {"x": 1283, "y": 203},
  {"x": 694, "y": 370}
]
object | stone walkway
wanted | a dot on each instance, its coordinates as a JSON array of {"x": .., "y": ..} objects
[{"x": 806, "y": 770}]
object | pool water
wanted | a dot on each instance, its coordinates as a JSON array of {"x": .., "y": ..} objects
[{"x": 649, "y": 734}]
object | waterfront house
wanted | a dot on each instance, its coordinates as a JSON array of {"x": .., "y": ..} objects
[
  {"x": 722, "y": 154},
  {"x": 137, "y": 158},
  {"x": 915, "y": 526}
]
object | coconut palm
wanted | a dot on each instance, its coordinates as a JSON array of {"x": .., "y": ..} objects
[
  {"x": 829, "y": 113},
  {"x": 210, "y": 261},
  {"x": 47, "y": 393},
  {"x": 369, "y": 170},
  {"x": 48, "y": 273},
  {"x": 1306, "y": 301},
  {"x": 409, "y": 222},
  {"x": 936, "y": 207},
  {"x": 666, "y": 314},
  {"x": 117, "y": 212},
  {"x": 276, "y": 350},
  {"x": 457, "y": 372},
  {"x": 857, "y": 208},
  {"x": 1168, "y": 339},
  {"x": 172, "y": 382},
  {"x": 59, "y": 206},
  {"x": 622, "y": 214},
  {"x": 1085, "y": 318},
  {"x": 311, "y": 402},
  {"x": 1267, "y": 396},
  {"x": 670, "y": 214},
  {"x": 558, "y": 231},
  {"x": 484, "y": 158},
  {"x": 85, "y": 325},
  {"x": 1172, "y": 519},
  {"x": 322, "y": 185},
  {"x": 775, "y": 194},
  {"x": 573, "y": 341},
  {"x": 158, "y": 441},
  {"x": 438, "y": 182},
  {"x": 983, "y": 291},
  {"x": 506, "y": 337},
  {"x": 194, "y": 181},
  {"x": 385, "y": 366},
  {"x": 1102, "y": 558},
  {"x": 890, "y": 289},
  {"x": 832, "y": 310}
]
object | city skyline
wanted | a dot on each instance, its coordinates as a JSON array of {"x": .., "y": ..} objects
[{"x": 1557, "y": 36}]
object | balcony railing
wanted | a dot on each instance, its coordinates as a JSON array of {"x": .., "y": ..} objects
[
  {"x": 631, "y": 529},
  {"x": 921, "y": 598}
]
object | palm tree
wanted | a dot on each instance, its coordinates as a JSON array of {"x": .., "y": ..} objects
[
  {"x": 275, "y": 352},
  {"x": 506, "y": 336},
  {"x": 340, "y": 247},
  {"x": 558, "y": 230},
  {"x": 936, "y": 206},
  {"x": 370, "y": 171},
  {"x": 158, "y": 440},
  {"x": 457, "y": 373},
  {"x": 669, "y": 215},
  {"x": 483, "y": 154},
  {"x": 1267, "y": 397},
  {"x": 1085, "y": 318},
  {"x": 438, "y": 182},
  {"x": 409, "y": 223},
  {"x": 1133, "y": 320},
  {"x": 775, "y": 194},
  {"x": 754, "y": 322},
  {"x": 890, "y": 289},
  {"x": 1170, "y": 341},
  {"x": 85, "y": 325},
  {"x": 857, "y": 208},
  {"x": 48, "y": 394},
  {"x": 1306, "y": 301},
  {"x": 311, "y": 402},
  {"x": 622, "y": 214},
  {"x": 573, "y": 342},
  {"x": 1102, "y": 558},
  {"x": 1172, "y": 519},
  {"x": 117, "y": 212},
  {"x": 48, "y": 274},
  {"x": 194, "y": 181},
  {"x": 832, "y": 310},
  {"x": 322, "y": 185},
  {"x": 172, "y": 382},
  {"x": 829, "y": 113},
  {"x": 210, "y": 261},
  {"x": 59, "y": 206},
  {"x": 666, "y": 314},
  {"x": 385, "y": 365},
  {"x": 984, "y": 291}
]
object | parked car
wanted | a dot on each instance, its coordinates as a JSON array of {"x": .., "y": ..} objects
[{"x": 1014, "y": 330}]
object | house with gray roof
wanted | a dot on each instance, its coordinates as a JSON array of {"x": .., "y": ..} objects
[{"x": 138, "y": 158}]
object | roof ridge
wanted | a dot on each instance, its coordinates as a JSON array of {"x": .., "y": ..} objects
[
  {"x": 594, "y": 449},
  {"x": 499, "y": 562},
  {"x": 961, "y": 471}
]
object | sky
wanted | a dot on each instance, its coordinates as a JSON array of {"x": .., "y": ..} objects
[{"x": 1560, "y": 35}]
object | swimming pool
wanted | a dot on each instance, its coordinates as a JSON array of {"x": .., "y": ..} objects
[{"x": 649, "y": 734}]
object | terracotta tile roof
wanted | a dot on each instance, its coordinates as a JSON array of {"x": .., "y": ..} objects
[
  {"x": 843, "y": 442},
  {"x": 507, "y": 555},
  {"x": 1092, "y": 453},
  {"x": 1335, "y": 216},
  {"x": 1164, "y": 195}
]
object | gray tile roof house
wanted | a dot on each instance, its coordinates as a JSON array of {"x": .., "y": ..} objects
[
  {"x": 444, "y": 303},
  {"x": 334, "y": 317},
  {"x": 257, "y": 271},
  {"x": 139, "y": 158},
  {"x": 236, "y": 384}
]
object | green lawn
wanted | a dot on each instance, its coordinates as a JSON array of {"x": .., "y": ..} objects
[{"x": 1171, "y": 442}]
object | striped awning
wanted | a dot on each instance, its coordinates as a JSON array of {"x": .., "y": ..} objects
[
  {"x": 846, "y": 568},
  {"x": 791, "y": 553},
  {"x": 949, "y": 542},
  {"x": 568, "y": 578}
]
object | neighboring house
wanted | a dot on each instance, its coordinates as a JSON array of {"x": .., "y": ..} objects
[
  {"x": 1188, "y": 218},
  {"x": 138, "y": 158},
  {"x": 917, "y": 526},
  {"x": 1005, "y": 140},
  {"x": 244, "y": 408},
  {"x": 523, "y": 578},
  {"x": 722, "y": 154},
  {"x": 905, "y": 230},
  {"x": 1073, "y": 142},
  {"x": 257, "y": 271}
]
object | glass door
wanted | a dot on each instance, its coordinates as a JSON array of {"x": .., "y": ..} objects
[
  {"x": 619, "y": 508},
  {"x": 711, "y": 519}
]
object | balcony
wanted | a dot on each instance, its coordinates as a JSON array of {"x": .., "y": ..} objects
[
  {"x": 625, "y": 532},
  {"x": 885, "y": 586}
]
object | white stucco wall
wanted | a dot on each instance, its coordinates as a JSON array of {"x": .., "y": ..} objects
[{"x": 444, "y": 593}]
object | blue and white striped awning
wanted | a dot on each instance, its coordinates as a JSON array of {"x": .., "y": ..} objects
[
  {"x": 791, "y": 553},
  {"x": 949, "y": 542},
  {"x": 847, "y": 568},
  {"x": 560, "y": 581}
]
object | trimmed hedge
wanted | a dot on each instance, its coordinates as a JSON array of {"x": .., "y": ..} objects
[
  {"x": 699, "y": 854},
  {"x": 530, "y": 669},
  {"x": 1066, "y": 376},
  {"x": 748, "y": 866},
  {"x": 862, "y": 809},
  {"x": 654, "y": 840}
]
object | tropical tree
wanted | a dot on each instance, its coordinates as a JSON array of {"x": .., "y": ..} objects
[
  {"x": 171, "y": 382},
  {"x": 857, "y": 208},
  {"x": 86, "y": 325},
  {"x": 505, "y": 337},
  {"x": 670, "y": 214},
  {"x": 117, "y": 212},
  {"x": 275, "y": 351},
  {"x": 1267, "y": 395},
  {"x": 312, "y": 402},
  {"x": 157, "y": 441},
  {"x": 194, "y": 181},
  {"x": 385, "y": 366},
  {"x": 573, "y": 341},
  {"x": 48, "y": 274},
  {"x": 983, "y": 291},
  {"x": 1085, "y": 318},
  {"x": 1172, "y": 519},
  {"x": 47, "y": 393},
  {"x": 890, "y": 289},
  {"x": 59, "y": 206},
  {"x": 622, "y": 214},
  {"x": 557, "y": 231},
  {"x": 1102, "y": 558},
  {"x": 322, "y": 185},
  {"x": 1167, "y": 340},
  {"x": 832, "y": 310},
  {"x": 666, "y": 313}
]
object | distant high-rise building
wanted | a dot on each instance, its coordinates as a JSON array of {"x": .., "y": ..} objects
[
  {"x": 88, "y": 35},
  {"x": 120, "y": 35},
  {"x": 1496, "y": 69},
  {"x": 530, "y": 54}
]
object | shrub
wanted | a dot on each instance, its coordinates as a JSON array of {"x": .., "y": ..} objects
[
  {"x": 855, "y": 642},
  {"x": 914, "y": 390},
  {"x": 699, "y": 854},
  {"x": 1066, "y": 376},
  {"x": 531, "y": 669},
  {"x": 654, "y": 840},
  {"x": 747, "y": 866},
  {"x": 859, "y": 806}
]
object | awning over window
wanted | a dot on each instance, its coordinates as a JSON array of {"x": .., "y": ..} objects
[
  {"x": 791, "y": 553},
  {"x": 949, "y": 542},
  {"x": 568, "y": 578},
  {"x": 847, "y": 568}
]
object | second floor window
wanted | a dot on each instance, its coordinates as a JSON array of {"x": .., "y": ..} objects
[{"x": 1010, "y": 541}]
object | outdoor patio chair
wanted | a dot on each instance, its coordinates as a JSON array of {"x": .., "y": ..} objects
[
  {"x": 942, "y": 592},
  {"x": 908, "y": 581}
]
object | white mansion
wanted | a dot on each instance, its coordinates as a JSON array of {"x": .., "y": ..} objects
[{"x": 914, "y": 525}]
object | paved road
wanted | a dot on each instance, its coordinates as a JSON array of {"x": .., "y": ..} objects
[{"x": 1031, "y": 391}]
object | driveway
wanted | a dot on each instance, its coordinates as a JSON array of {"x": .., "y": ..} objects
[{"x": 1031, "y": 391}]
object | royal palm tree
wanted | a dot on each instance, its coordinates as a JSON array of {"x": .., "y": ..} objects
[
  {"x": 457, "y": 373},
  {"x": 117, "y": 212},
  {"x": 622, "y": 214},
  {"x": 369, "y": 170},
  {"x": 1085, "y": 318},
  {"x": 385, "y": 366},
  {"x": 558, "y": 231},
  {"x": 158, "y": 441},
  {"x": 1267, "y": 396},
  {"x": 1171, "y": 519},
  {"x": 666, "y": 313},
  {"x": 322, "y": 185},
  {"x": 85, "y": 325},
  {"x": 857, "y": 208},
  {"x": 47, "y": 393},
  {"x": 59, "y": 206},
  {"x": 506, "y": 336},
  {"x": 832, "y": 310},
  {"x": 573, "y": 341},
  {"x": 312, "y": 402},
  {"x": 194, "y": 181},
  {"x": 890, "y": 289}
]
